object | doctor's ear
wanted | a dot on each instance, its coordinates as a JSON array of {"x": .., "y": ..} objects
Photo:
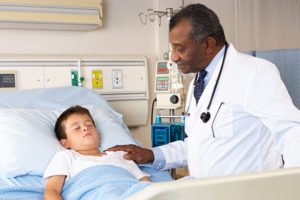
[
  {"x": 210, "y": 44},
  {"x": 64, "y": 143}
]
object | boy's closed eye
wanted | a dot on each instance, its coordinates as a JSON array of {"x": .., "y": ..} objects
[
  {"x": 89, "y": 124},
  {"x": 76, "y": 128}
]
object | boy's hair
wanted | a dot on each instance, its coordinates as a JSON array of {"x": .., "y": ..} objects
[{"x": 60, "y": 126}]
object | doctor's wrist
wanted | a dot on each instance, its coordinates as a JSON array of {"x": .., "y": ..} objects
[
  {"x": 149, "y": 155},
  {"x": 159, "y": 160}
]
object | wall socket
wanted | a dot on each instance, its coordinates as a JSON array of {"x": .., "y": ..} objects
[{"x": 117, "y": 78}]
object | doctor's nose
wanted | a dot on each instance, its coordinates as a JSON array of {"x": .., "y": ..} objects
[{"x": 175, "y": 57}]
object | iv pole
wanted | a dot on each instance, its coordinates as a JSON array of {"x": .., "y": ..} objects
[{"x": 176, "y": 78}]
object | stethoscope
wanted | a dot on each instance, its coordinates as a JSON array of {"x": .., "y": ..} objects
[{"x": 205, "y": 116}]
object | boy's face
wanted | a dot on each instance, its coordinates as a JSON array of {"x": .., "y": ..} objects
[{"x": 81, "y": 133}]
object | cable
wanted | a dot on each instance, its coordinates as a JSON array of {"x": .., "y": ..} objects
[
  {"x": 218, "y": 78},
  {"x": 152, "y": 110}
]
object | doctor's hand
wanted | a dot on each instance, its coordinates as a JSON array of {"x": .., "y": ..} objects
[{"x": 135, "y": 153}]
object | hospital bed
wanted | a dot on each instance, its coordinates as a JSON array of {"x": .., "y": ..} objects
[
  {"x": 27, "y": 143},
  {"x": 27, "y": 140}
]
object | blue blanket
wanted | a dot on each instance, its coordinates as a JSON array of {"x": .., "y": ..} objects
[
  {"x": 22, "y": 192},
  {"x": 102, "y": 182},
  {"x": 115, "y": 182}
]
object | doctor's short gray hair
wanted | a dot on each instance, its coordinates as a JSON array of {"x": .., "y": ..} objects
[{"x": 205, "y": 23}]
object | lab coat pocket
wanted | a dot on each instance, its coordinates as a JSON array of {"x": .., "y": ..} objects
[{"x": 222, "y": 124}]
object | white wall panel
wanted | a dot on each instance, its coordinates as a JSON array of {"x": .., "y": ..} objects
[
  {"x": 57, "y": 76},
  {"x": 47, "y": 71}
]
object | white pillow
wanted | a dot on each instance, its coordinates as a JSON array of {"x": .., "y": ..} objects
[
  {"x": 112, "y": 131},
  {"x": 28, "y": 141}
]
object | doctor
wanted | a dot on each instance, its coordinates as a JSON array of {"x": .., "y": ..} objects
[{"x": 240, "y": 117}]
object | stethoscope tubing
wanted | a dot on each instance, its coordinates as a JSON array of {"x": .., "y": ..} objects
[
  {"x": 219, "y": 75},
  {"x": 215, "y": 87}
]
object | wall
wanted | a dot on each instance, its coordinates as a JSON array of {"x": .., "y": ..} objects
[
  {"x": 123, "y": 34},
  {"x": 252, "y": 24},
  {"x": 248, "y": 25}
]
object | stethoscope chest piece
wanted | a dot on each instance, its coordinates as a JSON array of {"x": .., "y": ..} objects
[{"x": 205, "y": 116}]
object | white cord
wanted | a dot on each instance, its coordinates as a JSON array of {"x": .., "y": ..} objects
[{"x": 79, "y": 72}]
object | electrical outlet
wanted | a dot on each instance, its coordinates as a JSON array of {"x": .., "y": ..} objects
[
  {"x": 97, "y": 79},
  {"x": 117, "y": 78}
]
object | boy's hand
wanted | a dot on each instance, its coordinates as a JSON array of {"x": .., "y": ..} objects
[
  {"x": 145, "y": 178},
  {"x": 138, "y": 154}
]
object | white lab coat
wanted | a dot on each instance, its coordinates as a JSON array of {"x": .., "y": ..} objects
[{"x": 253, "y": 120}]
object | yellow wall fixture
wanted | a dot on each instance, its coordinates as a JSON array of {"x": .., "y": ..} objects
[{"x": 82, "y": 15}]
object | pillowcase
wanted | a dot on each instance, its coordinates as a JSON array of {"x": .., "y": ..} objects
[
  {"x": 28, "y": 141},
  {"x": 111, "y": 130},
  {"x": 47, "y": 98}
]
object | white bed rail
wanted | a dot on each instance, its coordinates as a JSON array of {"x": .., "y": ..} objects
[{"x": 282, "y": 184}]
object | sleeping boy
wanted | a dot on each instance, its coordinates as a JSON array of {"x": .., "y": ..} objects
[{"x": 76, "y": 131}]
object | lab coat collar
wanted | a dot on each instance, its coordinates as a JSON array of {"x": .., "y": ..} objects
[{"x": 204, "y": 99}]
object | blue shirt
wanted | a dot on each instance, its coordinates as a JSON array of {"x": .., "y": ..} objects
[
  {"x": 212, "y": 65},
  {"x": 159, "y": 158}
]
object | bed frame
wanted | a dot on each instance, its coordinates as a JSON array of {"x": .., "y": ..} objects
[{"x": 282, "y": 184}]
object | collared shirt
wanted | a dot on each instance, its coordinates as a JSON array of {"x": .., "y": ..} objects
[
  {"x": 212, "y": 65},
  {"x": 159, "y": 159}
]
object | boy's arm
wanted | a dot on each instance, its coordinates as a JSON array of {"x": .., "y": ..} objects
[{"x": 54, "y": 187}]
